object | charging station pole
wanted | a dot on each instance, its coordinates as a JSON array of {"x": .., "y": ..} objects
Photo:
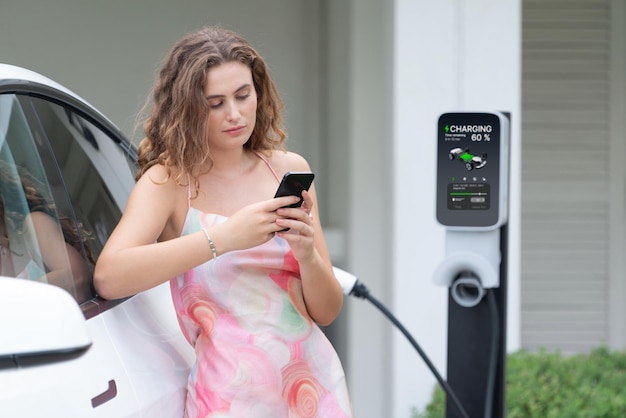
[
  {"x": 472, "y": 203},
  {"x": 470, "y": 336}
]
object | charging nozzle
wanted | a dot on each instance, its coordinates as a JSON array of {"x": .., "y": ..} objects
[{"x": 345, "y": 279}]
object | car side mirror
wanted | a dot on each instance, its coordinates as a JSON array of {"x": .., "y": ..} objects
[{"x": 39, "y": 324}]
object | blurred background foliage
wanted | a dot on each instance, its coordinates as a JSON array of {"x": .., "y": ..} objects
[{"x": 553, "y": 385}]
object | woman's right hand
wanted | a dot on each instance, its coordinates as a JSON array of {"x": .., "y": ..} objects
[{"x": 250, "y": 226}]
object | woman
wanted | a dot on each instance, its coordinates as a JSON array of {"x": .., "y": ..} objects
[{"x": 248, "y": 294}]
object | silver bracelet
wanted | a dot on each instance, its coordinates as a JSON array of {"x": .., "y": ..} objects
[{"x": 211, "y": 243}]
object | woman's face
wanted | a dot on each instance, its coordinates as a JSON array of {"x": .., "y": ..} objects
[{"x": 232, "y": 104}]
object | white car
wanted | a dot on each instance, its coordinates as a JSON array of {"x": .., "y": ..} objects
[{"x": 63, "y": 350}]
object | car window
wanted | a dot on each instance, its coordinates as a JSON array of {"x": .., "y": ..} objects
[
  {"x": 81, "y": 177},
  {"x": 36, "y": 240}
]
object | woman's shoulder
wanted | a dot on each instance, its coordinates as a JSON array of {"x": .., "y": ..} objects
[
  {"x": 284, "y": 161},
  {"x": 161, "y": 175},
  {"x": 159, "y": 194},
  {"x": 160, "y": 180}
]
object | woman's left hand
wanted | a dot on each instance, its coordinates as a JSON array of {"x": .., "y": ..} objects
[{"x": 300, "y": 235}]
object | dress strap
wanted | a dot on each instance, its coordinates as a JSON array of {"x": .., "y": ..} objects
[
  {"x": 188, "y": 191},
  {"x": 268, "y": 164}
]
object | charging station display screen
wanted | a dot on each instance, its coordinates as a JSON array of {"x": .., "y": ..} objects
[{"x": 468, "y": 169}]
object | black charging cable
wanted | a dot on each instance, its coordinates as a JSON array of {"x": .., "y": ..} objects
[
  {"x": 361, "y": 291},
  {"x": 350, "y": 285}
]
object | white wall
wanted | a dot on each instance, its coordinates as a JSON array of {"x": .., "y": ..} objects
[
  {"x": 450, "y": 55},
  {"x": 370, "y": 195}
]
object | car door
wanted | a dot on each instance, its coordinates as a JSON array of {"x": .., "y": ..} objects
[
  {"x": 123, "y": 358},
  {"x": 98, "y": 174}
]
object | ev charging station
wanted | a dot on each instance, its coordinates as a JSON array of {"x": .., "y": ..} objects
[{"x": 472, "y": 204}]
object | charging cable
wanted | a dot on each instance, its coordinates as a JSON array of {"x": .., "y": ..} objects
[{"x": 351, "y": 286}]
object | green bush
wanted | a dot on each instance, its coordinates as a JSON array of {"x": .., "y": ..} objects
[{"x": 551, "y": 385}]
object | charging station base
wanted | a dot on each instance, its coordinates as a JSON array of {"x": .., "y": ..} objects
[{"x": 470, "y": 350}]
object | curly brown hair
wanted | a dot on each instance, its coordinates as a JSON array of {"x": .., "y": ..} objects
[{"x": 177, "y": 125}]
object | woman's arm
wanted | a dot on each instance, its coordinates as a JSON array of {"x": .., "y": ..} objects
[
  {"x": 321, "y": 290},
  {"x": 133, "y": 259},
  {"x": 65, "y": 266},
  {"x": 146, "y": 248}
]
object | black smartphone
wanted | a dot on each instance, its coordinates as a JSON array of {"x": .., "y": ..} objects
[{"x": 293, "y": 183}]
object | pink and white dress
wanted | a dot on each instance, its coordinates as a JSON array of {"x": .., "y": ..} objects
[{"x": 258, "y": 353}]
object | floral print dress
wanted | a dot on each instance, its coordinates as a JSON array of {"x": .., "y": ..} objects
[{"x": 258, "y": 353}]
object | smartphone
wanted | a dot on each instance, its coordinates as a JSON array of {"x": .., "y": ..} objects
[{"x": 293, "y": 183}]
